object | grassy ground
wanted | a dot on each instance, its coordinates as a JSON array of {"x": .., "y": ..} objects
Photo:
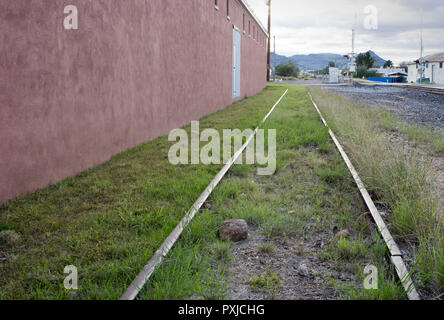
[
  {"x": 400, "y": 178},
  {"x": 310, "y": 194},
  {"x": 108, "y": 221}
]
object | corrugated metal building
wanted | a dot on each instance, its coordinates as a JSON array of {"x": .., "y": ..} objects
[{"x": 133, "y": 70}]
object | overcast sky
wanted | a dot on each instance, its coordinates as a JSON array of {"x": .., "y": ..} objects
[{"x": 321, "y": 26}]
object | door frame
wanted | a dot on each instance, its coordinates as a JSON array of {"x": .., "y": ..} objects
[{"x": 236, "y": 64}]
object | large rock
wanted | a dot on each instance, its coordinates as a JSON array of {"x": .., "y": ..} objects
[
  {"x": 234, "y": 230},
  {"x": 343, "y": 234}
]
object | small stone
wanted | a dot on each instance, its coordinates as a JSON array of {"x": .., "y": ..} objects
[
  {"x": 343, "y": 234},
  {"x": 292, "y": 212},
  {"x": 320, "y": 244},
  {"x": 234, "y": 230},
  {"x": 303, "y": 270}
]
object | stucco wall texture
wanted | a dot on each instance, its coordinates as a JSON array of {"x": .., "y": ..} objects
[{"x": 134, "y": 70}]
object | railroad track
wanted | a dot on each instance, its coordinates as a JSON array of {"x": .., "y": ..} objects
[
  {"x": 156, "y": 260},
  {"x": 424, "y": 89},
  {"x": 145, "y": 274},
  {"x": 396, "y": 257},
  {"x": 432, "y": 90}
]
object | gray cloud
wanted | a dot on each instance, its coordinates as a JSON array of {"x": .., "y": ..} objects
[{"x": 317, "y": 26}]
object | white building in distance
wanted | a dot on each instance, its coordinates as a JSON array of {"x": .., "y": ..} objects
[
  {"x": 390, "y": 72},
  {"x": 333, "y": 75},
  {"x": 434, "y": 69}
]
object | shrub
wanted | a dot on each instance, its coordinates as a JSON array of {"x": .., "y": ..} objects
[{"x": 287, "y": 69}]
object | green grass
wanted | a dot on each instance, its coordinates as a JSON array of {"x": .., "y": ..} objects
[
  {"x": 268, "y": 281},
  {"x": 399, "y": 178},
  {"x": 355, "y": 254},
  {"x": 311, "y": 187},
  {"x": 108, "y": 221},
  {"x": 431, "y": 139},
  {"x": 266, "y": 247},
  {"x": 425, "y": 136},
  {"x": 388, "y": 287},
  {"x": 350, "y": 250},
  {"x": 265, "y": 281},
  {"x": 185, "y": 271},
  {"x": 222, "y": 251}
]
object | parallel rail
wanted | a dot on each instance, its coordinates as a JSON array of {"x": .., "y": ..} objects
[
  {"x": 395, "y": 253},
  {"x": 424, "y": 89},
  {"x": 156, "y": 260}
]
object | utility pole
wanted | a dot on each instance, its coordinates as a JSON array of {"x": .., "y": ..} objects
[
  {"x": 352, "y": 59},
  {"x": 268, "y": 2},
  {"x": 352, "y": 55},
  {"x": 352, "y": 68},
  {"x": 421, "y": 61},
  {"x": 353, "y": 41},
  {"x": 274, "y": 62}
]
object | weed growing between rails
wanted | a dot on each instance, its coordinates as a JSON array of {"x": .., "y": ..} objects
[
  {"x": 156, "y": 260},
  {"x": 291, "y": 215},
  {"x": 401, "y": 179},
  {"x": 108, "y": 221},
  {"x": 218, "y": 150}
]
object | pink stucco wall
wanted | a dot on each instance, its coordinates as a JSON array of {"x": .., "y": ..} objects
[{"x": 134, "y": 70}]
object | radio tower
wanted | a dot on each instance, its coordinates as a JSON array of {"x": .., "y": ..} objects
[
  {"x": 352, "y": 59},
  {"x": 352, "y": 56}
]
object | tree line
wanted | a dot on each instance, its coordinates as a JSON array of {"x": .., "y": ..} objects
[{"x": 364, "y": 61}]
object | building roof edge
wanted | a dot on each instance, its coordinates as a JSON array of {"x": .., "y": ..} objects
[{"x": 253, "y": 15}]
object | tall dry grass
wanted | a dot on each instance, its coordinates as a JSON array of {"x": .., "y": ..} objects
[{"x": 399, "y": 177}]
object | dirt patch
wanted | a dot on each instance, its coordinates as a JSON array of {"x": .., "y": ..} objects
[{"x": 287, "y": 256}]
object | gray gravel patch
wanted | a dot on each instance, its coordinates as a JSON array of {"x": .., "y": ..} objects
[
  {"x": 412, "y": 106},
  {"x": 295, "y": 260}
]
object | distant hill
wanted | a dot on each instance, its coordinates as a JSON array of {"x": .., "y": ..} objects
[
  {"x": 279, "y": 59},
  {"x": 316, "y": 61}
]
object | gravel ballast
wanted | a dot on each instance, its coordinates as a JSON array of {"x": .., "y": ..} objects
[{"x": 412, "y": 106}]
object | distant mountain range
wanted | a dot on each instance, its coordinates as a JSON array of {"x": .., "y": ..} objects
[{"x": 318, "y": 61}]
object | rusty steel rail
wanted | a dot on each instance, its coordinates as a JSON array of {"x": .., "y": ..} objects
[
  {"x": 395, "y": 253},
  {"x": 424, "y": 89},
  {"x": 412, "y": 87},
  {"x": 133, "y": 290}
]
